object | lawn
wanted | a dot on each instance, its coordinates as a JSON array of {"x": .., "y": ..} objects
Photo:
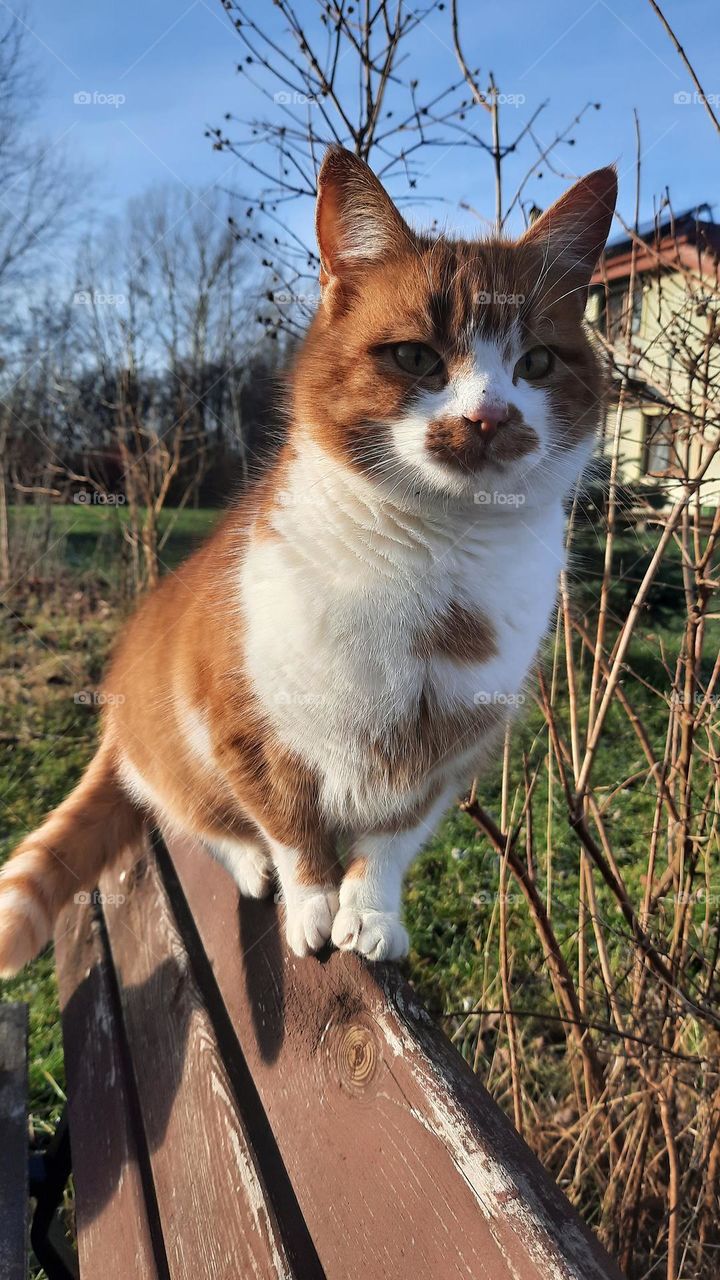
[{"x": 57, "y": 628}]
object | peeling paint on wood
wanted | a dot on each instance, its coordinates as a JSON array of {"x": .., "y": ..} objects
[
  {"x": 111, "y": 1213},
  {"x": 202, "y": 1164}
]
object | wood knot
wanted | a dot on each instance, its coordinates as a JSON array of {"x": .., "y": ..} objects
[{"x": 357, "y": 1057}]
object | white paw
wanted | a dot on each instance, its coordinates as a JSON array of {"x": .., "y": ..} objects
[
  {"x": 253, "y": 873},
  {"x": 309, "y": 919},
  {"x": 249, "y": 864},
  {"x": 377, "y": 935}
]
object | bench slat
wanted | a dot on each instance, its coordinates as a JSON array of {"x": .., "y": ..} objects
[
  {"x": 217, "y": 1216},
  {"x": 113, "y": 1229},
  {"x": 14, "y": 1143},
  {"x": 402, "y": 1163}
]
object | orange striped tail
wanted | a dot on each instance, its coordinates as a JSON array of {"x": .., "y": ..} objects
[{"x": 63, "y": 857}]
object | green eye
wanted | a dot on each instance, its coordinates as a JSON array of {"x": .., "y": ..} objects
[
  {"x": 417, "y": 359},
  {"x": 536, "y": 363}
]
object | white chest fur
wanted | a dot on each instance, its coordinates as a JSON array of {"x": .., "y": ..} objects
[{"x": 334, "y": 602}]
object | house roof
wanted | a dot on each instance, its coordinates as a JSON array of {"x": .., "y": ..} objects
[{"x": 692, "y": 239}]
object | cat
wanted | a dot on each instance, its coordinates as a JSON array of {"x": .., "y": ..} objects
[{"x": 311, "y": 690}]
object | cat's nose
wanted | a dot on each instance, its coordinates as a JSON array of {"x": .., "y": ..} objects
[{"x": 487, "y": 417}]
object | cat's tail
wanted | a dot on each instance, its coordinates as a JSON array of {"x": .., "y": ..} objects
[{"x": 64, "y": 857}]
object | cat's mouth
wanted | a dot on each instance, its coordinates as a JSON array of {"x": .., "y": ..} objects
[{"x": 459, "y": 443}]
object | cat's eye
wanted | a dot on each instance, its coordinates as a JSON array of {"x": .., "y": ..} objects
[
  {"x": 417, "y": 359},
  {"x": 535, "y": 363}
]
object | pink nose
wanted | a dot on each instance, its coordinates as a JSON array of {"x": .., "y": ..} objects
[{"x": 488, "y": 417}]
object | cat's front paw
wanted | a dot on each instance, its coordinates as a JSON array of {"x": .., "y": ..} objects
[
  {"x": 253, "y": 873},
  {"x": 309, "y": 920},
  {"x": 377, "y": 935}
]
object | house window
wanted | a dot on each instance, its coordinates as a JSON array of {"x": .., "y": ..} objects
[
  {"x": 659, "y": 445},
  {"x": 618, "y": 303}
]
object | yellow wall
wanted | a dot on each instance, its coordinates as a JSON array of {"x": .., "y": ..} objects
[{"x": 668, "y": 307}]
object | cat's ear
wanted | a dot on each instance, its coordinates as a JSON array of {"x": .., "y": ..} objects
[
  {"x": 573, "y": 231},
  {"x": 355, "y": 219}
]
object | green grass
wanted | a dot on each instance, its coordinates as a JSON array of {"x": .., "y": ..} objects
[
  {"x": 53, "y": 742},
  {"x": 86, "y": 538},
  {"x": 55, "y": 635}
]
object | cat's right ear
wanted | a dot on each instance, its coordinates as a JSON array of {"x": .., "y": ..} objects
[
  {"x": 573, "y": 231},
  {"x": 355, "y": 220}
]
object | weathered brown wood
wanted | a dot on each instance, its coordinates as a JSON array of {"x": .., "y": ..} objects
[
  {"x": 115, "y": 1237},
  {"x": 402, "y": 1163},
  {"x": 219, "y": 1216},
  {"x": 294, "y": 1118},
  {"x": 13, "y": 1142}
]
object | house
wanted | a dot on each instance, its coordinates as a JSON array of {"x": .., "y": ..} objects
[{"x": 672, "y": 360}]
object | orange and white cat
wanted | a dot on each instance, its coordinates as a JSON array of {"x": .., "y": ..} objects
[{"x": 313, "y": 687}]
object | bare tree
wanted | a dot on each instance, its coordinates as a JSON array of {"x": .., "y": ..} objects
[
  {"x": 170, "y": 320},
  {"x": 38, "y": 190},
  {"x": 339, "y": 73}
]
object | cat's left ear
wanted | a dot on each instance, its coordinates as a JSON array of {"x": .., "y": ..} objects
[
  {"x": 355, "y": 219},
  {"x": 573, "y": 231}
]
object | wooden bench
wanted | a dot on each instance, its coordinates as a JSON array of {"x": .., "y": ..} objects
[{"x": 236, "y": 1112}]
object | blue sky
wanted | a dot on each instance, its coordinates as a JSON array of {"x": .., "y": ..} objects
[{"x": 174, "y": 62}]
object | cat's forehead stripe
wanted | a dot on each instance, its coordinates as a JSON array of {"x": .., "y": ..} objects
[{"x": 475, "y": 290}]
